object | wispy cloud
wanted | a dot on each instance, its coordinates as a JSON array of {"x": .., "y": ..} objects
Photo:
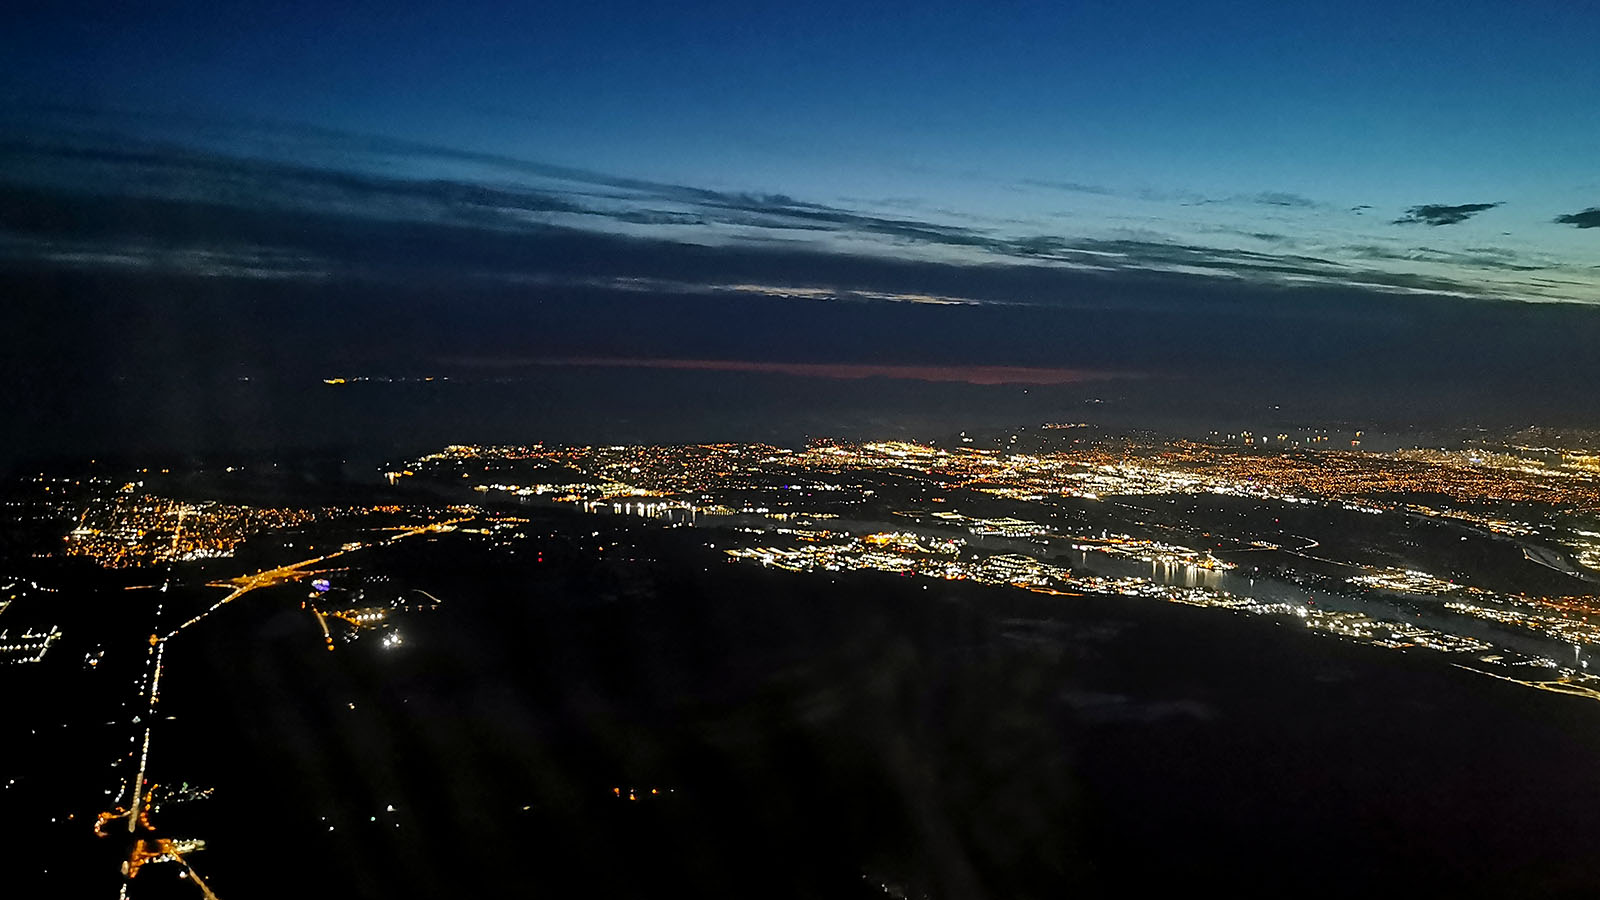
[
  {"x": 1074, "y": 187},
  {"x": 667, "y": 286},
  {"x": 1284, "y": 199},
  {"x": 78, "y": 197},
  {"x": 1498, "y": 258},
  {"x": 1441, "y": 214}
]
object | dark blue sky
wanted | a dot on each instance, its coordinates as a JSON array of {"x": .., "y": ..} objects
[
  {"x": 1329, "y": 203},
  {"x": 1248, "y": 125}
]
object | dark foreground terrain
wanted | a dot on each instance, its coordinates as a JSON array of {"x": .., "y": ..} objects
[{"x": 822, "y": 737}]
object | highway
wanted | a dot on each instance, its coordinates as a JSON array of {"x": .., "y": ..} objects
[
  {"x": 134, "y": 795},
  {"x": 1559, "y": 686}
]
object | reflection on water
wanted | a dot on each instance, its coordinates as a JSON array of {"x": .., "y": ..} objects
[{"x": 1268, "y": 590}]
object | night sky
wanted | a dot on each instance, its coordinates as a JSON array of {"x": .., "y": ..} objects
[{"x": 1354, "y": 209}]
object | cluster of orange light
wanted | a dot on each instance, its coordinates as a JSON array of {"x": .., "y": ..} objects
[{"x": 633, "y": 793}]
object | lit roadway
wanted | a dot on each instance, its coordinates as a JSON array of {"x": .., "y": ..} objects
[
  {"x": 1559, "y": 686},
  {"x": 244, "y": 584}
]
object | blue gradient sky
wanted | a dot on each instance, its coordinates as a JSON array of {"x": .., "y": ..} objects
[
  {"x": 1318, "y": 209},
  {"x": 1175, "y": 120}
]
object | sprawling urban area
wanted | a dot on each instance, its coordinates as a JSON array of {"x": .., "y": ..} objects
[{"x": 122, "y": 585}]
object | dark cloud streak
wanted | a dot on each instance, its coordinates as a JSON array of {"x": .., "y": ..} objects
[
  {"x": 1589, "y": 218},
  {"x": 1440, "y": 214}
]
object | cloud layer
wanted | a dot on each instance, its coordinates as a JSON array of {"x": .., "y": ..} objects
[{"x": 307, "y": 206}]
